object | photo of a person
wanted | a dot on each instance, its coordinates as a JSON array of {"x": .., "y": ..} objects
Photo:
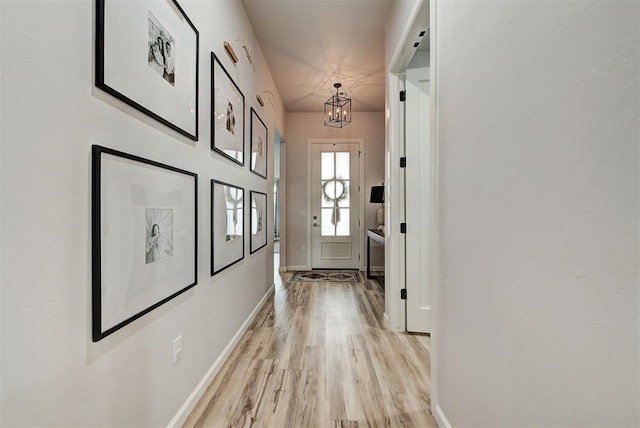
[
  {"x": 159, "y": 234},
  {"x": 169, "y": 64},
  {"x": 156, "y": 55},
  {"x": 231, "y": 119},
  {"x": 161, "y": 54},
  {"x": 259, "y": 149}
]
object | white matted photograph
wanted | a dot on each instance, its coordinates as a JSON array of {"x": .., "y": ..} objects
[
  {"x": 144, "y": 237},
  {"x": 227, "y": 114},
  {"x": 259, "y": 138},
  {"x": 162, "y": 51},
  {"x": 227, "y": 225},
  {"x": 147, "y": 57},
  {"x": 258, "y": 221},
  {"x": 159, "y": 227}
]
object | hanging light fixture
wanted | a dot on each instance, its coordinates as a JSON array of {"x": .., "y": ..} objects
[{"x": 337, "y": 109}]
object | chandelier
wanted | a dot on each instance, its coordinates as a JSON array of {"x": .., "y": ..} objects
[{"x": 337, "y": 109}]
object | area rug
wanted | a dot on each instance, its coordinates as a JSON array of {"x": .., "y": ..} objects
[{"x": 327, "y": 276}]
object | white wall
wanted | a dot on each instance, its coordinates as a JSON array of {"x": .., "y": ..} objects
[
  {"x": 52, "y": 373},
  {"x": 538, "y": 107},
  {"x": 300, "y": 128}
]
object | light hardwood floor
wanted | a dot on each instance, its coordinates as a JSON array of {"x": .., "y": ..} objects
[{"x": 317, "y": 355}]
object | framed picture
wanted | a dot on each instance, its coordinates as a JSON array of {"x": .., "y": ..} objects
[
  {"x": 227, "y": 114},
  {"x": 259, "y": 135},
  {"x": 144, "y": 240},
  {"x": 258, "y": 220},
  {"x": 147, "y": 57},
  {"x": 227, "y": 225}
]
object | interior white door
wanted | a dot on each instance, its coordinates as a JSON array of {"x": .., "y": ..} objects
[
  {"x": 335, "y": 196},
  {"x": 420, "y": 205}
]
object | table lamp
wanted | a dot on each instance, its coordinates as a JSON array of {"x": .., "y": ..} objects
[{"x": 377, "y": 197}]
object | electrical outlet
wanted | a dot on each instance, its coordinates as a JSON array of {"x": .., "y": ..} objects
[{"x": 177, "y": 349}]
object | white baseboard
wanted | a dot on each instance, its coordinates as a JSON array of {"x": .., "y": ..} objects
[
  {"x": 185, "y": 410},
  {"x": 440, "y": 418},
  {"x": 377, "y": 268},
  {"x": 282, "y": 269},
  {"x": 292, "y": 268}
]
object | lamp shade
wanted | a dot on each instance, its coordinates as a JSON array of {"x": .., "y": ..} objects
[{"x": 377, "y": 195}]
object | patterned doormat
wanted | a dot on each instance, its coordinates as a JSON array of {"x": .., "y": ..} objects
[{"x": 327, "y": 276}]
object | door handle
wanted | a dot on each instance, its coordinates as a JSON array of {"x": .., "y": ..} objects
[{"x": 316, "y": 224}]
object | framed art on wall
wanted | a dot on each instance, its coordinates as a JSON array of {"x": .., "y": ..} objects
[
  {"x": 259, "y": 135},
  {"x": 227, "y": 114},
  {"x": 144, "y": 240},
  {"x": 147, "y": 57},
  {"x": 258, "y": 220},
  {"x": 227, "y": 225}
]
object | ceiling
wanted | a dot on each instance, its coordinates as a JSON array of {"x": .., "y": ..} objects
[{"x": 311, "y": 44}]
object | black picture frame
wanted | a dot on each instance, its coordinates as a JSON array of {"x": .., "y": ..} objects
[
  {"x": 170, "y": 97},
  {"x": 259, "y": 145},
  {"x": 144, "y": 240},
  {"x": 227, "y": 243},
  {"x": 258, "y": 221},
  {"x": 227, "y": 127}
]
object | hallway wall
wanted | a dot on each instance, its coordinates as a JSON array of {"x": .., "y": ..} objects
[
  {"x": 52, "y": 373},
  {"x": 300, "y": 128},
  {"x": 538, "y": 107}
]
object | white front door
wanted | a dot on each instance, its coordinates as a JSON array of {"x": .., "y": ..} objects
[
  {"x": 335, "y": 205},
  {"x": 420, "y": 202}
]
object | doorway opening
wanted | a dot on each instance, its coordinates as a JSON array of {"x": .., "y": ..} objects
[{"x": 279, "y": 201}]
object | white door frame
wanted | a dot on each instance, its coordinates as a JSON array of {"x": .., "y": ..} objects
[
  {"x": 360, "y": 142},
  {"x": 396, "y": 67},
  {"x": 394, "y": 251}
]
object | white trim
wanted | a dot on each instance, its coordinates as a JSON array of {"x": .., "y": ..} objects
[
  {"x": 435, "y": 244},
  {"x": 375, "y": 268},
  {"x": 403, "y": 54},
  {"x": 440, "y": 417},
  {"x": 185, "y": 410},
  {"x": 360, "y": 142},
  {"x": 297, "y": 267},
  {"x": 394, "y": 210},
  {"x": 282, "y": 269}
]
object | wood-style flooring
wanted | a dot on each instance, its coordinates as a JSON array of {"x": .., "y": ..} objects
[{"x": 317, "y": 355}]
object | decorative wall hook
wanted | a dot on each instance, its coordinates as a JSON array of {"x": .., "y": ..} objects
[
  {"x": 232, "y": 53},
  {"x": 271, "y": 99}
]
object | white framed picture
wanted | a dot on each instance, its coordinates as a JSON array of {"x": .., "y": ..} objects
[
  {"x": 258, "y": 221},
  {"x": 259, "y": 143},
  {"x": 227, "y": 225},
  {"x": 147, "y": 57},
  {"x": 144, "y": 237},
  {"x": 227, "y": 114}
]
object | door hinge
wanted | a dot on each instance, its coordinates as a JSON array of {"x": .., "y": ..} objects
[
  {"x": 403, "y": 162},
  {"x": 403, "y": 95},
  {"x": 403, "y": 294},
  {"x": 403, "y": 227}
]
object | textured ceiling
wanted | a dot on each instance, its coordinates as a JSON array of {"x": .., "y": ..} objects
[{"x": 311, "y": 44}]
